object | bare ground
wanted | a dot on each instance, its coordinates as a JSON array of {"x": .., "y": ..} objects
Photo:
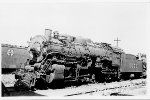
[{"x": 124, "y": 88}]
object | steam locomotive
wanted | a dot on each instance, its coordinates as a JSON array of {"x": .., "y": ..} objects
[{"x": 61, "y": 57}]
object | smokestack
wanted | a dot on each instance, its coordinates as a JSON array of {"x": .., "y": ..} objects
[{"x": 48, "y": 33}]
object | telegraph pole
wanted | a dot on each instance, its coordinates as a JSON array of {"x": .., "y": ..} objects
[{"x": 117, "y": 41}]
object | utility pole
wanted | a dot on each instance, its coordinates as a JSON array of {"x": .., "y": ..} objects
[{"x": 117, "y": 41}]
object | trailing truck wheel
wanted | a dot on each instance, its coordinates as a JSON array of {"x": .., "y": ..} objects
[{"x": 93, "y": 78}]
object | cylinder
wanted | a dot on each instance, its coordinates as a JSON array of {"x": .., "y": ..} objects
[{"x": 48, "y": 33}]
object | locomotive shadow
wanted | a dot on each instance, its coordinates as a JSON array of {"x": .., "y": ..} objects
[
  {"x": 22, "y": 93},
  {"x": 11, "y": 92},
  {"x": 61, "y": 85}
]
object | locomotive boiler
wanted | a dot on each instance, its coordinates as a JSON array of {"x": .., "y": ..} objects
[{"x": 61, "y": 57}]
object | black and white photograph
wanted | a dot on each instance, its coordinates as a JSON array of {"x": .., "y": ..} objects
[{"x": 74, "y": 49}]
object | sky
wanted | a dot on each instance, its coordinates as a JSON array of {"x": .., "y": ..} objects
[{"x": 99, "y": 21}]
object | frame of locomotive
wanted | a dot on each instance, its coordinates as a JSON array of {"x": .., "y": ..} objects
[{"x": 54, "y": 58}]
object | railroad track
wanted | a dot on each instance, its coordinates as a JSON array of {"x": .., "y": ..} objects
[
  {"x": 111, "y": 90},
  {"x": 103, "y": 89}
]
